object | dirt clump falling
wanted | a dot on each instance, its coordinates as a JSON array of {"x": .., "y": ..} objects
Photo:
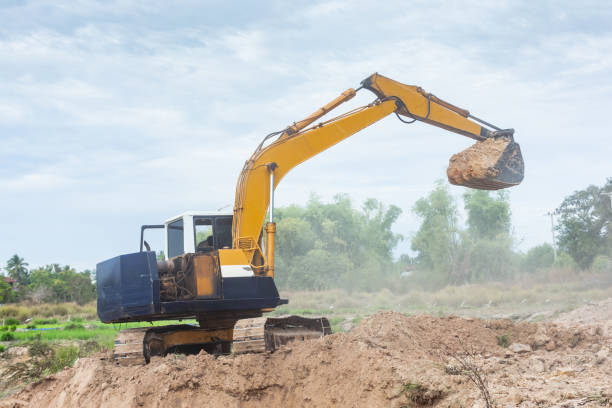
[{"x": 389, "y": 360}]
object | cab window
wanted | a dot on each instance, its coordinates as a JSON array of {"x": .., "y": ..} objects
[
  {"x": 223, "y": 232},
  {"x": 175, "y": 238},
  {"x": 204, "y": 239}
]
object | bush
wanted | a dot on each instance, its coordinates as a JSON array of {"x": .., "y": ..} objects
[
  {"x": 31, "y": 326},
  {"x": 74, "y": 326},
  {"x": 11, "y": 321},
  {"x": 564, "y": 261},
  {"x": 2, "y": 348},
  {"x": 47, "y": 359},
  {"x": 538, "y": 257},
  {"x": 602, "y": 264},
  {"x": 45, "y": 321},
  {"x": 18, "y": 312},
  {"x": 76, "y": 319},
  {"x": 64, "y": 357},
  {"x": 4, "y": 328},
  {"x": 7, "y": 336},
  {"x": 59, "y": 310},
  {"x": 13, "y": 328},
  {"x": 503, "y": 340}
]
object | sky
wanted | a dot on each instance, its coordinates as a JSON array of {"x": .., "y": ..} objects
[{"x": 115, "y": 114}]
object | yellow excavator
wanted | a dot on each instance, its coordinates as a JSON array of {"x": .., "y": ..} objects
[{"x": 219, "y": 268}]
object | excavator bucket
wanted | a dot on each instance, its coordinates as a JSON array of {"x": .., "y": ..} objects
[{"x": 491, "y": 164}]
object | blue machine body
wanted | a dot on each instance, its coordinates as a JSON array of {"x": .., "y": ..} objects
[{"x": 128, "y": 290}]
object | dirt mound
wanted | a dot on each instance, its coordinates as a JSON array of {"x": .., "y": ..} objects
[
  {"x": 478, "y": 166},
  {"x": 389, "y": 360},
  {"x": 595, "y": 315}
]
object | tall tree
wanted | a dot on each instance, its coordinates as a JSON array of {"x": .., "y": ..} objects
[
  {"x": 585, "y": 222},
  {"x": 327, "y": 245},
  {"x": 17, "y": 269},
  {"x": 437, "y": 239},
  {"x": 487, "y": 217}
]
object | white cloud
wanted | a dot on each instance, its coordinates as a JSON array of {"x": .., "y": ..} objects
[
  {"x": 35, "y": 183},
  {"x": 10, "y": 112},
  {"x": 135, "y": 110}
]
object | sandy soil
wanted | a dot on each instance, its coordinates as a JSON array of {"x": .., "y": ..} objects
[
  {"x": 389, "y": 360},
  {"x": 476, "y": 162}
]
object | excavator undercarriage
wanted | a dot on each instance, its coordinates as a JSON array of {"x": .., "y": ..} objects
[{"x": 136, "y": 346}]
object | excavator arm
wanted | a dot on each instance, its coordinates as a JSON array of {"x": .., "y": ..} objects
[{"x": 298, "y": 143}]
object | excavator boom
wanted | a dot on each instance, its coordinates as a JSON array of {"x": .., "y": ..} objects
[{"x": 494, "y": 162}]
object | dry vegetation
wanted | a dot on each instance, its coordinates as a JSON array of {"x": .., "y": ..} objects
[{"x": 25, "y": 311}]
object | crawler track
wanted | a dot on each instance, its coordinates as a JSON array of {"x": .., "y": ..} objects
[{"x": 254, "y": 335}]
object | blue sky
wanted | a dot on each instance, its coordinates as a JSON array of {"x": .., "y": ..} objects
[{"x": 115, "y": 114}]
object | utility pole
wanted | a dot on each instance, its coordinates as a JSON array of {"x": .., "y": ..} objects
[
  {"x": 552, "y": 230},
  {"x": 609, "y": 195}
]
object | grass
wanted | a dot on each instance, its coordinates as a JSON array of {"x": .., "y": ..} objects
[
  {"x": 503, "y": 340},
  {"x": 22, "y": 312},
  {"x": 478, "y": 300},
  {"x": 76, "y": 330}
]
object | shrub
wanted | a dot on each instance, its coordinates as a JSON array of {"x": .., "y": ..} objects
[
  {"x": 538, "y": 257},
  {"x": 6, "y": 311},
  {"x": 74, "y": 326},
  {"x": 11, "y": 321},
  {"x": 45, "y": 321},
  {"x": 31, "y": 326},
  {"x": 64, "y": 357},
  {"x": 4, "y": 328},
  {"x": 47, "y": 359},
  {"x": 564, "y": 261},
  {"x": 503, "y": 340},
  {"x": 13, "y": 328},
  {"x": 59, "y": 310},
  {"x": 602, "y": 264},
  {"x": 2, "y": 348},
  {"x": 7, "y": 336},
  {"x": 38, "y": 348},
  {"x": 76, "y": 319}
]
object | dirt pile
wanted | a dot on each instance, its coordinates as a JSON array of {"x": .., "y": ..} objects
[
  {"x": 389, "y": 360},
  {"x": 476, "y": 166},
  {"x": 595, "y": 314}
]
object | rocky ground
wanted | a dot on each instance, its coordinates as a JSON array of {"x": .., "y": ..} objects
[{"x": 388, "y": 360}]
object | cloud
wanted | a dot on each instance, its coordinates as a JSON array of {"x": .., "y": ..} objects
[
  {"x": 127, "y": 112},
  {"x": 35, "y": 183}
]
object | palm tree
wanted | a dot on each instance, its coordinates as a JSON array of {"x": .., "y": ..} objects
[{"x": 16, "y": 268}]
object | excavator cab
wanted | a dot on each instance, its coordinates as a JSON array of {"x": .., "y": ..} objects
[
  {"x": 196, "y": 232},
  {"x": 192, "y": 232}
]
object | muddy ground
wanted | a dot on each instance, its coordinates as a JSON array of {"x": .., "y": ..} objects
[{"x": 388, "y": 360}]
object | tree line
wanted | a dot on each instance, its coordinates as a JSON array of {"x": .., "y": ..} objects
[
  {"x": 329, "y": 245},
  {"x": 50, "y": 283},
  {"x": 334, "y": 245}
]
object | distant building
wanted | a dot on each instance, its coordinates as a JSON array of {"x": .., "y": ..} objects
[
  {"x": 408, "y": 271},
  {"x": 10, "y": 281}
]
